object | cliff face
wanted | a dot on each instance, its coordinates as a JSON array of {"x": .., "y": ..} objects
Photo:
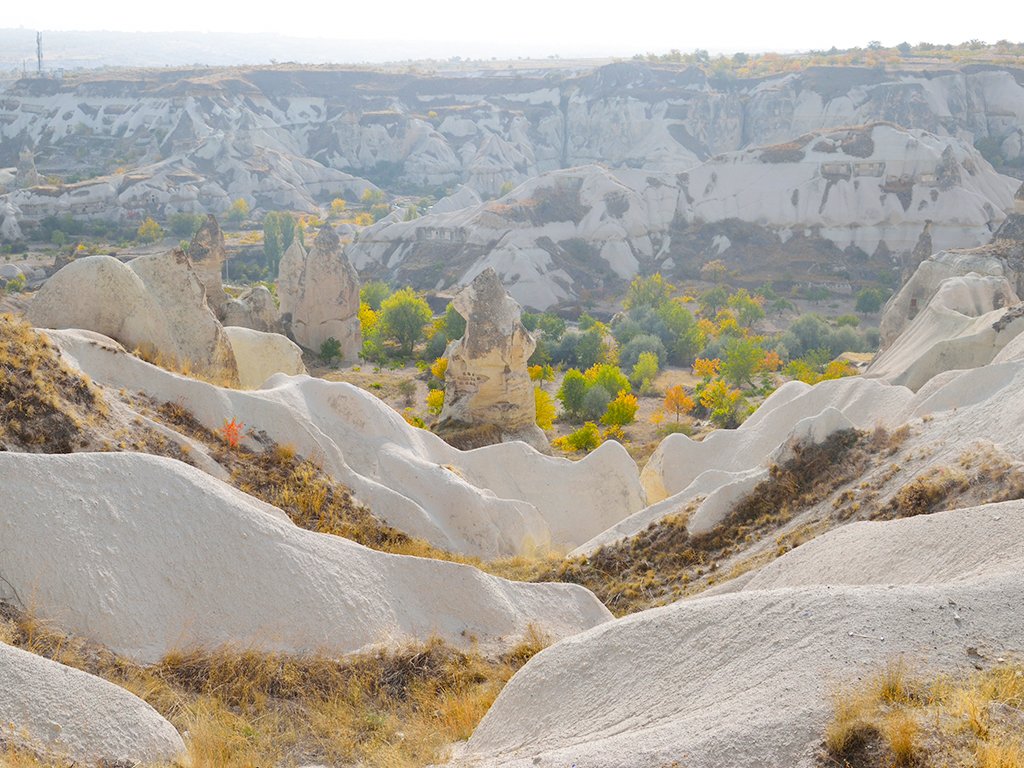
[
  {"x": 830, "y": 207},
  {"x": 488, "y": 129}
]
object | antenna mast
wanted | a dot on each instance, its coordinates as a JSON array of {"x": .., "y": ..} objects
[{"x": 39, "y": 53}]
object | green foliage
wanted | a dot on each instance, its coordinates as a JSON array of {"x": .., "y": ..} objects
[
  {"x": 271, "y": 243},
  {"x": 404, "y": 316},
  {"x": 591, "y": 347},
  {"x": 374, "y": 293},
  {"x": 870, "y": 300},
  {"x": 184, "y": 225},
  {"x": 741, "y": 360},
  {"x": 748, "y": 309},
  {"x": 572, "y": 392},
  {"x": 645, "y": 370},
  {"x": 453, "y": 324},
  {"x": 645, "y": 343},
  {"x": 330, "y": 350},
  {"x": 58, "y": 238},
  {"x": 713, "y": 300},
  {"x": 609, "y": 377},
  {"x": 550, "y": 324},
  {"x": 851, "y": 320},
  {"x": 586, "y": 438},
  {"x": 595, "y": 401},
  {"x": 650, "y": 292}
]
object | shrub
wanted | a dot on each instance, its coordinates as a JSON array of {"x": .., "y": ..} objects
[
  {"x": 641, "y": 344},
  {"x": 330, "y": 350},
  {"x": 572, "y": 392},
  {"x": 609, "y": 377},
  {"x": 586, "y": 438},
  {"x": 595, "y": 402},
  {"x": 544, "y": 407},
  {"x": 373, "y": 293},
  {"x": 435, "y": 401},
  {"x": 645, "y": 370},
  {"x": 621, "y": 411}
]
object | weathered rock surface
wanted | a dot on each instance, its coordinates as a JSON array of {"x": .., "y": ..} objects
[
  {"x": 487, "y": 382},
  {"x": 155, "y": 304},
  {"x": 873, "y": 191},
  {"x": 746, "y": 678},
  {"x": 494, "y": 501},
  {"x": 260, "y": 355},
  {"x": 966, "y": 323},
  {"x": 289, "y": 279},
  {"x": 202, "y": 564},
  {"x": 325, "y": 302},
  {"x": 206, "y": 251},
  {"x": 65, "y": 714},
  {"x": 997, "y": 259}
]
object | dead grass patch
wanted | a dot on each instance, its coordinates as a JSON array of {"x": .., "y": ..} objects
[
  {"x": 44, "y": 405},
  {"x": 896, "y": 718},
  {"x": 241, "y": 708}
]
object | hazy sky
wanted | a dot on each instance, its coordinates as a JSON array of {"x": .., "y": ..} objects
[{"x": 530, "y": 26}]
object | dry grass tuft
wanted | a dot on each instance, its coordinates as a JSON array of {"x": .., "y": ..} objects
[
  {"x": 240, "y": 708},
  {"x": 895, "y": 719}
]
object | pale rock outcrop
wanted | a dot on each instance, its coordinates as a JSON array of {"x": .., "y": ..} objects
[
  {"x": 206, "y": 252},
  {"x": 260, "y": 355},
  {"x": 746, "y": 678},
  {"x": 729, "y": 463},
  {"x": 918, "y": 291},
  {"x": 174, "y": 289},
  {"x": 155, "y": 304},
  {"x": 27, "y": 176},
  {"x": 201, "y": 564},
  {"x": 495, "y": 501},
  {"x": 965, "y": 324},
  {"x": 9, "y": 227},
  {"x": 64, "y": 714},
  {"x": 254, "y": 308},
  {"x": 289, "y": 279},
  {"x": 487, "y": 381},
  {"x": 325, "y": 304}
]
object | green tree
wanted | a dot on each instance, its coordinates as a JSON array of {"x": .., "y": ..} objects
[
  {"x": 404, "y": 316},
  {"x": 374, "y": 293},
  {"x": 572, "y": 392},
  {"x": 272, "y": 242},
  {"x": 609, "y": 377},
  {"x": 870, "y": 300},
  {"x": 650, "y": 291},
  {"x": 595, "y": 402},
  {"x": 686, "y": 339},
  {"x": 645, "y": 370},
  {"x": 741, "y": 360},
  {"x": 748, "y": 308}
]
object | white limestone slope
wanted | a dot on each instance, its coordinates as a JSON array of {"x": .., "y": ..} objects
[
  {"x": 965, "y": 325},
  {"x": 146, "y": 555},
  {"x": 65, "y": 714},
  {"x": 729, "y": 463},
  {"x": 745, "y": 678},
  {"x": 499, "y": 500}
]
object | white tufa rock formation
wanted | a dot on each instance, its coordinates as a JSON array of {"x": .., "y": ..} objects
[
  {"x": 260, "y": 355},
  {"x": 156, "y": 304},
  {"x": 487, "y": 381},
  {"x": 322, "y": 296},
  {"x": 64, "y": 714}
]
